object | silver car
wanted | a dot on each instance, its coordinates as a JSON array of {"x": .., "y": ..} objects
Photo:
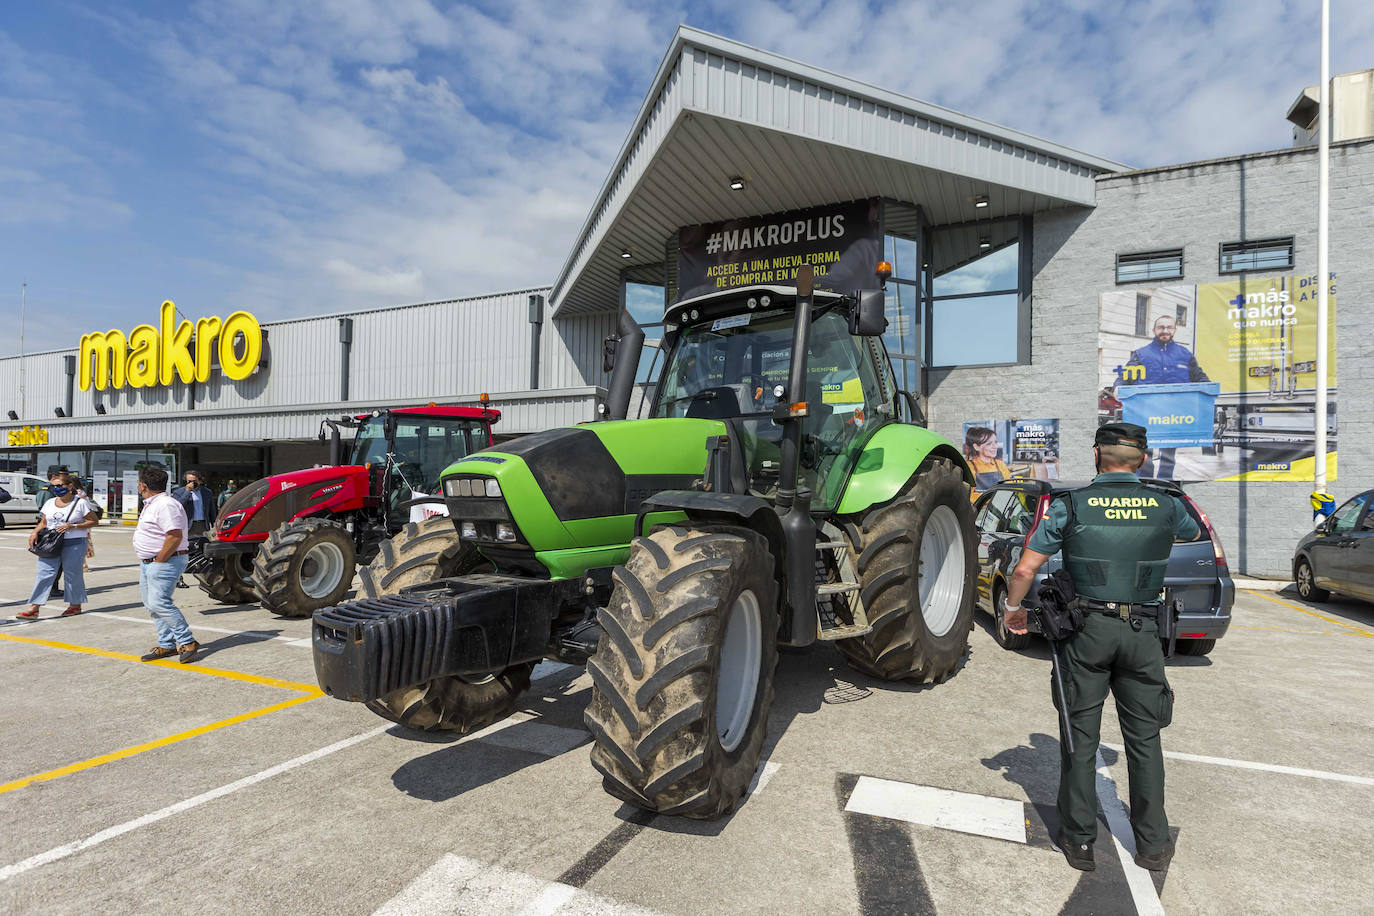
[{"x": 1197, "y": 573}]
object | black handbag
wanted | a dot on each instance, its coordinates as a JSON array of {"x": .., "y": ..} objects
[{"x": 49, "y": 543}]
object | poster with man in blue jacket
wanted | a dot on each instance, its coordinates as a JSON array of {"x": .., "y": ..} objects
[{"x": 1163, "y": 361}]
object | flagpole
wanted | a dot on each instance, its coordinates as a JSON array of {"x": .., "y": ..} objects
[{"x": 1323, "y": 271}]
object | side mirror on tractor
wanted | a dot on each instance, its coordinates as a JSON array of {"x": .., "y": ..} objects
[
  {"x": 868, "y": 318},
  {"x": 608, "y": 348}
]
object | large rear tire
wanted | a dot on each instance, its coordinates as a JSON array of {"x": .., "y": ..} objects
[
  {"x": 304, "y": 565},
  {"x": 683, "y": 678},
  {"x": 918, "y": 574},
  {"x": 424, "y": 552},
  {"x": 229, "y": 580}
]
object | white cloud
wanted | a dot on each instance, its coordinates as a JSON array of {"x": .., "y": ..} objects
[{"x": 351, "y": 153}]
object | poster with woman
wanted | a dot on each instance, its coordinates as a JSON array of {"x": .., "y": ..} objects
[{"x": 985, "y": 450}]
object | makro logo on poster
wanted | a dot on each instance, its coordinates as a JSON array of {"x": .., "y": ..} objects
[{"x": 148, "y": 356}]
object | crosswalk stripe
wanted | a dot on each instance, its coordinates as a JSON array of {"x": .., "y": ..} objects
[
  {"x": 999, "y": 818},
  {"x": 456, "y": 885}
]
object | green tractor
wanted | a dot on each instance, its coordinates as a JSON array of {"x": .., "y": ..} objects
[{"x": 783, "y": 491}]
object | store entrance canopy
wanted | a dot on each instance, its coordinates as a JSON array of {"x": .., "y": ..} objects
[{"x": 796, "y": 136}]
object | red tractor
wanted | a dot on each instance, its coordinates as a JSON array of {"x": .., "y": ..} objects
[{"x": 292, "y": 541}]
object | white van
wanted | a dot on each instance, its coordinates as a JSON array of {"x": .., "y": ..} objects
[{"x": 22, "y": 507}]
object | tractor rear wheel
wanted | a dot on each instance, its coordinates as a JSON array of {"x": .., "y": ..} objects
[
  {"x": 918, "y": 574},
  {"x": 229, "y": 580},
  {"x": 304, "y": 565},
  {"x": 424, "y": 552},
  {"x": 683, "y": 678}
]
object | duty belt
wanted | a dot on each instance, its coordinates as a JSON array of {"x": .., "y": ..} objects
[{"x": 1120, "y": 609}]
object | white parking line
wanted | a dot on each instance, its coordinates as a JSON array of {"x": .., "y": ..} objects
[
  {"x": 1266, "y": 767},
  {"x": 999, "y": 818},
  {"x": 1142, "y": 886},
  {"x": 70, "y": 849},
  {"x": 455, "y": 884},
  {"x": 766, "y": 771},
  {"x": 251, "y": 634}
]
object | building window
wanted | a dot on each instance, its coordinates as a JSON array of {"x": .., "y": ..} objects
[
  {"x": 977, "y": 295},
  {"x": 1142, "y": 315},
  {"x": 1149, "y": 265},
  {"x": 1264, "y": 254}
]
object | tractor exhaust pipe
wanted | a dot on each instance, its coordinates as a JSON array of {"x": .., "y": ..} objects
[{"x": 627, "y": 349}]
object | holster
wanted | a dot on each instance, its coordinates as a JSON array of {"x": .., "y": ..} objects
[{"x": 1168, "y": 624}]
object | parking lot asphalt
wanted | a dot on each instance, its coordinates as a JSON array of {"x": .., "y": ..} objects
[{"x": 232, "y": 786}]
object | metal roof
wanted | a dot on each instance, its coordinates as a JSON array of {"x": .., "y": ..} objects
[{"x": 800, "y": 136}]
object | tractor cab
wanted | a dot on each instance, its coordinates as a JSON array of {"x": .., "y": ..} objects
[
  {"x": 729, "y": 359},
  {"x": 404, "y": 450}
]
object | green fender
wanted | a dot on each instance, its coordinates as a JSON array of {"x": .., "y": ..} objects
[{"x": 888, "y": 462}]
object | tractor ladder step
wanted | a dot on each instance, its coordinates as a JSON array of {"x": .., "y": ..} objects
[
  {"x": 831, "y": 545},
  {"x": 827, "y": 589},
  {"x": 830, "y": 634}
]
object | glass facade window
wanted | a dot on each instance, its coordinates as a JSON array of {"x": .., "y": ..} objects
[
  {"x": 973, "y": 331},
  {"x": 1264, "y": 254},
  {"x": 1149, "y": 265},
  {"x": 976, "y": 300}
]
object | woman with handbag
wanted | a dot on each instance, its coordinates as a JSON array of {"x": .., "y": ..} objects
[{"x": 59, "y": 541}]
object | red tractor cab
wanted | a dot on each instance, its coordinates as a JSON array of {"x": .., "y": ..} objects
[{"x": 292, "y": 541}]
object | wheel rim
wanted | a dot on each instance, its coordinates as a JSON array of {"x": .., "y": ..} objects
[
  {"x": 322, "y": 570},
  {"x": 737, "y": 677},
  {"x": 1304, "y": 578},
  {"x": 940, "y": 580}
]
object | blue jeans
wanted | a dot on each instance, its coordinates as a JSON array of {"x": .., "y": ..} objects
[
  {"x": 71, "y": 560},
  {"x": 156, "y": 582}
]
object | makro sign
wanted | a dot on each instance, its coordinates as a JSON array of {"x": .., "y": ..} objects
[
  {"x": 150, "y": 356},
  {"x": 27, "y": 435}
]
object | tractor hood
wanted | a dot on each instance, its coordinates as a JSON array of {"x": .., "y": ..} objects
[
  {"x": 581, "y": 486},
  {"x": 252, "y": 512}
]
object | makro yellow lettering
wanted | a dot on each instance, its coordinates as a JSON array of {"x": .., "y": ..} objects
[
  {"x": 142, "y": 365},
  {"x": 174, "y": 354},
  {"x": 152, "y": 356},
  {"x": 240, "y": 367},
  {"x": 207, "y": 329},
  {"x": 106, "y": 350}
]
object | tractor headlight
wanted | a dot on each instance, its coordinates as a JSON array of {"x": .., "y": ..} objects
[
  {"x": 505, "y": 532},
  {"x": 493, "y": 488},
  {"x": 232, "y": 519},
  {"x": 467, "y": 531}
]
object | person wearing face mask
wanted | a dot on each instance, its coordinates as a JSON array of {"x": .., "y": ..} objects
[
  {"x": 198, "y": 501},
  {"x": 73, "y": 516},
  {"x": 160, "y": 543}
]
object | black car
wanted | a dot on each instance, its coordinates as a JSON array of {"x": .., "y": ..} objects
[
  {"x": 1338, "y": 555},
  {"x": 1197, "y": 573}
]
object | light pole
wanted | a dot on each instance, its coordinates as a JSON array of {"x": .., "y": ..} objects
[
  {"x": 1323, "y": 278},
  {"x": 23, "y": 303}
]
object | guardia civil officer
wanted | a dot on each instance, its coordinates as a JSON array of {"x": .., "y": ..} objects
[{"x": 1116, "y": 535}]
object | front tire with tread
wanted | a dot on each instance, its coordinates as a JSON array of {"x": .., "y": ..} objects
[
  {"x": 658, "y": 673},
  {"x": 885, "y": 546},
  {"x": 229, "y": 580},
  {"x": 277, "y": 570},
  {"x": 424, "y": 552}
]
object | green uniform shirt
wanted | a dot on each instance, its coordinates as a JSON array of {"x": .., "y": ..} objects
[{"x": 1049, "y": 534}]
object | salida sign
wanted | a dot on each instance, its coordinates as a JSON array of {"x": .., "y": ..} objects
[
  {"x": 841, "y": 242},
  {"x": 150, "y": 356}
]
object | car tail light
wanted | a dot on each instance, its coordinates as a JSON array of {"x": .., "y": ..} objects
[
  {"x": 1211, "y": 533},
  {"x": 1193, "y": 635},
  {"x": 1042, "y": 508}
]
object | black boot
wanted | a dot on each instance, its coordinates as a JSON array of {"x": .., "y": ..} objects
[
  {"x": 1155, "y": 861},
  {"x": 1079, "y": 855}
]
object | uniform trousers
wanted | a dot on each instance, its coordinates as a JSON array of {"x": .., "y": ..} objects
[{"x": 1110, "y": 654}]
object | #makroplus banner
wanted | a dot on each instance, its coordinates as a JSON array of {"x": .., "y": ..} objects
[{"x": 842, "y": 243}]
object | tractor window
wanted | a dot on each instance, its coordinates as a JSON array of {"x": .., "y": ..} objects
[
  {"x": 423, "y": 447},
  {"x": 730, "y": 372}
]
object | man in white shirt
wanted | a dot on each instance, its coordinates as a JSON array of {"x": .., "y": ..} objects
[{"x": 160, "y": 543}]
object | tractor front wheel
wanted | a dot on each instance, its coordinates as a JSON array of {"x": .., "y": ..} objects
[
  {"x": 682, "y": 680},
  {"x": 229, "y": 580},
  {"x": 424, "y": 552},
  {"x": 918, "y": 575},
  {"x": 304, "y": 565}
]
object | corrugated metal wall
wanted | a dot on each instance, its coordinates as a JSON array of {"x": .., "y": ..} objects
[{"x": 435, "y": 351}]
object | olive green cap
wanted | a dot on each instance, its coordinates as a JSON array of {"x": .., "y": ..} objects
[{"x": 1122, "y": 434}]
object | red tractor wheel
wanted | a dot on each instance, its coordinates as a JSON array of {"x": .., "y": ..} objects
[{"x": 304, "y": 565}]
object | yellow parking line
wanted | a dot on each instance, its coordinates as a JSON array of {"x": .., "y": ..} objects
[
  {"x": 1306, "y": 610},
  {"x": 170, "y": 663},
  {"x": 152, "y": 745}
]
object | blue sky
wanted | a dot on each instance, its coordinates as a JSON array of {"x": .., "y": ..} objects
[{"x": 295, "y": 157}]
